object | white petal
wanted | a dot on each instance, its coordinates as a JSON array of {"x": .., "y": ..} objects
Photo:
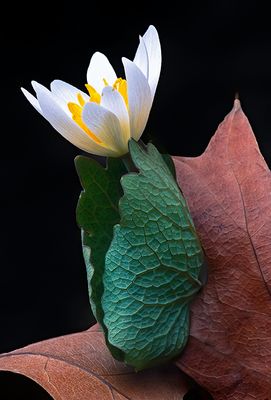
[
  {"x": 54, "y": 113},
  {"x": 99, "y": 69},
  {"x": 141, "y": 58},
  {"x": 105, "y": 125},
  {"x": 139, "y": 98},
  {"x": 40, "y": 88},
  {"x": 113, "y": 101},
  {"x": 67, "y": 92},
  {"x": 152, "y": 43},
  {"x": 32, "y": 99}
]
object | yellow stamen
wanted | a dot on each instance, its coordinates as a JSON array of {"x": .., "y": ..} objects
[
  {"x": 121, "y": 86},
  {"x": 76, "y": 111},
  {"x": 94, "y": 95},
  {"x": 81, "y": 100},
  {"x": 105, "y": 82}
]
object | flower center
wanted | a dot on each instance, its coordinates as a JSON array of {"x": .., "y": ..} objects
[{"x": 76, "y": 109}]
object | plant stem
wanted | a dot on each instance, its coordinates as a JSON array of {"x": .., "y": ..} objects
[{"x": 128, "y": 162}]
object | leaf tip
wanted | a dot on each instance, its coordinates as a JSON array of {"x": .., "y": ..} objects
[
  {"x": 77, "y": 160},
  {"x": 237, "y": 103}
]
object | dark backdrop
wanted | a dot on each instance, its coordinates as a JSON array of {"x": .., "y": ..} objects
[{"x": 211, "y": 50}]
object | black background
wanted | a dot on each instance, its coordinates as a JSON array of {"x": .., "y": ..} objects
[{"x": 211, "y": 50}]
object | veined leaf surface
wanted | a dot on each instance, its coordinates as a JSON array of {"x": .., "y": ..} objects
[{"x": 152, "y": 265}]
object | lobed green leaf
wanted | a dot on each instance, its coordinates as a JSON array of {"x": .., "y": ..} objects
[
  {"x": 152, "y": 266},
  {"x": 97, "y": 213}
]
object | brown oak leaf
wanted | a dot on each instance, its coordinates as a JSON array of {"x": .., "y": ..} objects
[
  {"x": 79, "y": 367},
  {"x": 228, "y": 189}
]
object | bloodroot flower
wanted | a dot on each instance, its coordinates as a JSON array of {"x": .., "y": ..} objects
[{"x": 114, "y": 110}]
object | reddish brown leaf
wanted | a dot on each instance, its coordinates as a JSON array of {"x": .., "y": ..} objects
[
  {"x": 228, "y": 189},
  {"x": 80, "y": 367}
]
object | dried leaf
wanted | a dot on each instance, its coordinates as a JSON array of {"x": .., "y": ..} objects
[
  {"x": 80, "y": 367},
  {"x": 228, "y": 190}
]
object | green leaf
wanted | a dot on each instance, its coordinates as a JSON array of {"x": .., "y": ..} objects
[
  {"x": 152, "y": 265},
  {"x": 97, "y": 213}
]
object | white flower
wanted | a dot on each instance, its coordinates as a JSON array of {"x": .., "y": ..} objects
[{"x": 114, "y": 110}]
